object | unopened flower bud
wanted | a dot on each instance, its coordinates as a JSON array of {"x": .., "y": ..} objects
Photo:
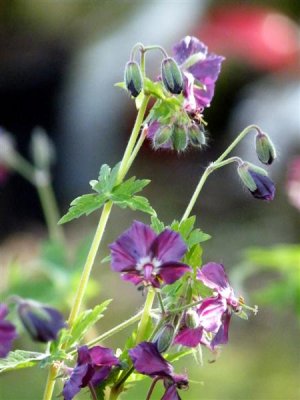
[
  {"x": 256, "y": 180},
  {"x": 196, "y": 135},
  {"x": 42, "y": 149},
  {"x": 192, "y": 319},
  {"x": 265, "y": 149},
  {"x": 171, "y": 76},
  {"x": 42, "y": 322},
  {"x": 179, "y": 138},
  {"x": 133, "y": 78},
  {"x": 162, "y": 136},
  {"x": 164, "y": 338}
]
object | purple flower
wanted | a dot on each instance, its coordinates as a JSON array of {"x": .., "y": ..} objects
[
  {"x": 42, "y": 322},
  {"x": 148, "y": 361},
  {"x": 7, "y": 332},
  {"x": 214, "y": 313},
  {"x": 143, "y": 257},
  {"x": 200, "y": 71},
  {"x": 93, "y": 366}
]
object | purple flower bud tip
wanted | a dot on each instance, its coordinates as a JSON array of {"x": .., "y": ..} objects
[
  {"x": 93, "y": 366},
  {"x": 145, "y": 258},
  {"x": 42, "y": 322},
  {"x": 265, "y": 188},
  {"x": 7, "y": 332}
]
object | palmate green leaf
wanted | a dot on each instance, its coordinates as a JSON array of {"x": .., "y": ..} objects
[
  {"x": 85, "y": 204},
  {"x": 129, "y": 187},
  {"x": 85, "y": 321},
  {"x": 190, "y": 236},
  {"x": 20, "y": 359},
  {"x": 157, "y": 225},
  {"x": 135, "y": 203},
  {"x": 194, "y": 256},
  {"x": 154, "y": 88}
]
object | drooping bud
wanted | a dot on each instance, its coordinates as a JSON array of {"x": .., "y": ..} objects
[
  {"x": 171, "y": 76},
  {"x": 42, "y": 322},
  {"x": 192, "y": 319},
  {"x": 196, "y": 135},
  {"x": 162, "y": 136},
  {"x": 179, "y": 138},
  {"x": 133, "y": 78},
  {"x": 265, "y": 149},
  {"x": 256, "y": 180},
  {"x": 42, "y": 149},
  {"x": 164, "y": 338}
]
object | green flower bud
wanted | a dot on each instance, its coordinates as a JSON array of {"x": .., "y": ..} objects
[
  {"x": 192, "y": 319},
  {"x": 164, "y": 338},
  {"x": 133, "y": 78},
  {"x": 179, "y": 138},
  {"x": 42, "y": 149},
  {"x": 196, "y": 135},
  {"x": 171, "y": 76},
  {"x": 162, "y": 136},
  {"x": 265, "y": 149}
]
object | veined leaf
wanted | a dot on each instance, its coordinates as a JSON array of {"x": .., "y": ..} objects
[
  {"x": 85, "y": 204},
  {"x": 135, "y": 203},
  {"x": 157, "y": 225},
  {"x": 130, "y": 187},
  {"x": 20, "y": 359}
]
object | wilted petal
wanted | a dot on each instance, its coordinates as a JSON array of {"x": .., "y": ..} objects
[
  {"x": 7, "y": 332},
  {"x": 187, "y": 47},
  {"x": 211, "y": 312},
  {"x": 148, "y": 361},
  {"x": 131, "y": 246},
  {"x": 222, "y": 334},
  {"x": 172, "y": 271},
  {"x": 168, "y": 246},
  {"x": 73, "y": 385},
  {"x": 189, "y": 337}
]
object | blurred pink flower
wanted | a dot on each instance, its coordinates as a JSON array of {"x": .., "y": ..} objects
[{"x": 293, "y": 182}]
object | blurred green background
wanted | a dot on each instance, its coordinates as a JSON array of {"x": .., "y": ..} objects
[{"x": 59, "y": 61}]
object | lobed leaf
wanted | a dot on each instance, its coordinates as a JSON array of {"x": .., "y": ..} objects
[
  {"x": 20, "y": 359},
  {"x": 84, "y": 204}
]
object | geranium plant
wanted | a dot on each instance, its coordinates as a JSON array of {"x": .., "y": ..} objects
[{"x": 188, "y": 305}]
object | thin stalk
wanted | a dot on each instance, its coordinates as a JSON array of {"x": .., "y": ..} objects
[
  {"x": 113, "y": 331},
  {"x": 98, "y": 236},
  {"x": 161, "y": 303},
  {"x": 140, "y": 336},
  {"x": 50, "y": 209},
  {"x": 214, "y": 166},
  {"x": 51, "y": 380},
  {"x": 154, "y": 382}
]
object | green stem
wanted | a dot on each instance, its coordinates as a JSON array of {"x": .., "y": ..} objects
[
  {"x": 215, "y": 165},
  {"x": 161, "y": 302},
  {"x": 112, "y": 331},
  {"x": 133, "y": 138},
  {"x": 51, "y": 380},
  {"x": 140, "y": 336},
  {"x": 98, "y": 236},
  {"x": 183, "y": 308},
  {"x": 49, "y": 206}
]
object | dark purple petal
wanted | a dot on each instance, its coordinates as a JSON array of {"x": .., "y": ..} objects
[
  {"x": 210, "y": 313},
  {"x": 265, "y": 188},
  {"x": 187, "y": 47},
  {"x": 103, "y": 356},
  {"x": 172, "y": 271},
  {"x": 83, "y": 356},
  {"x": 189, "y": 337},
  {"x": 7, "y": 332},
  {"x": 171, "y": 393},
  {"x": 133, "y": 277},
  {"x": 168, "y": 246},
  {"x": 131, "y": 246},
  {"x": 76, "y": 381},
  {"x": 99, "y": 375},
  {"x": 222, "y": 334},
  {"x": 148, "y": 361},
  {"x": 213, "y": 276},
  {"x": 42, "y": 323}
]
